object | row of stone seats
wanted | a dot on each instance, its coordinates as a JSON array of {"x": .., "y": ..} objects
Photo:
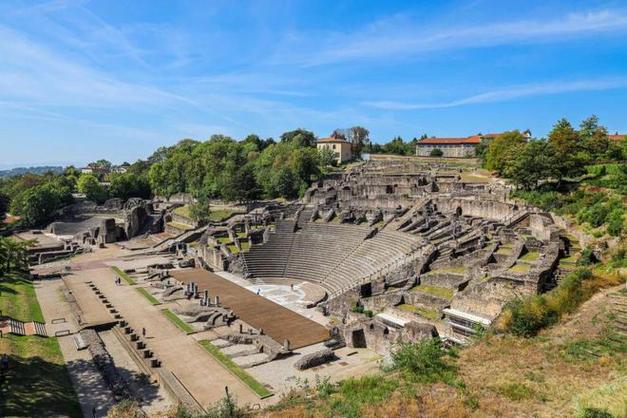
[
  {"x": 374, "y": 254},
  {"x": 319, "y": 248},
  {"x": 269, "y": 259}
]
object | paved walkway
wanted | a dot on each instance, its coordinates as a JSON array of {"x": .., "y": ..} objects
[
  {"x": 203, "y": 376},
  {"x": 87, "y": 381}
]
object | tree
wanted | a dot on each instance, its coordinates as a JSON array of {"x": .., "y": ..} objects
[
  {"x": 200, "y": 211},
  {"x": 127, "y": 185},
  {"x": 37, "y": 204},
  {"x": 503, "y": 151},
  {"x": 593, "y": 137},
  {"x": 301, "y": 136},
  {"x": 535, "y": 162},
  {"x": 243, "y": 187},
  {"x": 103, "y": 164},
  {"x": 89, "y": 185},
  {"x": 327, "y": 157},
  {"x": 359, "y": 138},
  {"x": 565, "y": 141},
  {"x": 13, "y": 254},
  {"x": 436, "y": 152}
]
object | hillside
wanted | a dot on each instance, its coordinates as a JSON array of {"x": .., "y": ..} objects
[{"x": 575, "y": 368}]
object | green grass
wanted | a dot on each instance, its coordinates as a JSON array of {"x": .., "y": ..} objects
[
  {"x": 245, "y": 245},
  {"x": 183, "y": 211},
  {"x": 241, "y": 234},
  {"x": 515, "y": 391},
  {"x": 224, "y": 240},
  {"x": 223, "y": 359},
  {"x": 504, "y": 251},
  {"x": 519, "y": 268},
  {"x": 233, "y": 248},
  {"x": 180, "y": 226},
  {"x": 454, "y": 270},
  {"x": 220, "y": 214},
  {"x": 37, "y": 384},
  {"x": 18, "y": 299},
  {"x": 441, "y": 292},
  {"x": 183, "y": 326},
  {"x": 148, "y": 296},
  {"x": 128, "y": 279},
  {"x": 530, "y": 257},
  {"x": 427, "y": 313}
]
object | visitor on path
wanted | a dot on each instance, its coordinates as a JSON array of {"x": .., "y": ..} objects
[
  {"x": 292, "y": 286},
  {"x": 258, "y": 291},
  {"x": 5, "y": 362},
  {"x": 143, "y": 332},
  {"x": 93, "y": 412}
]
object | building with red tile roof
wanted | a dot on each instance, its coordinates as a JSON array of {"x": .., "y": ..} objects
[{"x": 452, "y": 147}]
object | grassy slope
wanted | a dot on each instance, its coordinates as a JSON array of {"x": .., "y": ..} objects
[
  {"x": 579, "y": 363},
  {"x": 37, "y": 383},
  {"x": 18, "y": 299}
]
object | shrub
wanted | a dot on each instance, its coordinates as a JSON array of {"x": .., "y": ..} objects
[
  {"x": 424, "y": 361},
  {"x": 436, "y": 152},
  {"x": 615, "y": 222},
  {"x": 526, "y": 316},
  {"x": 596, "y": 413}
]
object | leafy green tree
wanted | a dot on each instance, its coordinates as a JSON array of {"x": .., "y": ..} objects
[
  {"x": 436, "y": 152},
  {"x": 13, "y": 254},
  {"x": 594, "y": 137},
  {"x": 200, "y": 211},
  {"x": 327, "y": 157},
  {"x": 127, "y": 185},
  {"x": 243, "y": 187},
  {"x": 301, "y": 136},
  {"x": 359, "y": 138},
  {"x": 503, "y": 150},
  {"x": 89, "y": 185},
  {"x": 37, "y": 204},
  {"x": 568, "y": 149},
  {"x": 535, "y": 162}
]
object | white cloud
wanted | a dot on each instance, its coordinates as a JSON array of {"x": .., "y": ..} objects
[
  {"x": 510, "y": 93},
  {"x": 399, "y": 36}
]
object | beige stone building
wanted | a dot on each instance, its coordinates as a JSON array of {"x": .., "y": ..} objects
[
  {"x": 452, "y": 147},
  {"x": 340, "y": 147}
]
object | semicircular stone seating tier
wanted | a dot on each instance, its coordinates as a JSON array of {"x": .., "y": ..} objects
[{"x": 335, "y": 256}]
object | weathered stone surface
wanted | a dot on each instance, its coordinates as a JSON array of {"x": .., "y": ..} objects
[{"x": 315, "y": 359}]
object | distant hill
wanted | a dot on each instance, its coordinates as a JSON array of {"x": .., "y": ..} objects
[{"x": 34, "y": 170}]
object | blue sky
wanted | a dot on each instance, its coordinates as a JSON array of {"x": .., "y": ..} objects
[{"x": 83, "y": 80}]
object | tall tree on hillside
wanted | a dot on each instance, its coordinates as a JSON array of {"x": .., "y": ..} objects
[
  {"x": 89, "y": 185},
  {"x": 535, "y": 162},
  {"x": 503, "y": 150},
  {"x": 594, "y": 137},
  {"x": 301, "y": 136},
  {"x": 565, "y": 140},
  {"x": 359, "y": 138}
]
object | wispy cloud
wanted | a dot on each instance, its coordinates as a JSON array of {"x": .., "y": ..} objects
[
  {"x": 510, "y": 93},
  {"x": 401, "y": 36}
]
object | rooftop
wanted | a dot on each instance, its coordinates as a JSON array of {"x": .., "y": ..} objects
[{"x": 331, "y": 140}]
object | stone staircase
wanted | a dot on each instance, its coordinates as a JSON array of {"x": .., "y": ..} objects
[
  {"x": 13, "y": 326},
  {"x": 618, "y": 306}
]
